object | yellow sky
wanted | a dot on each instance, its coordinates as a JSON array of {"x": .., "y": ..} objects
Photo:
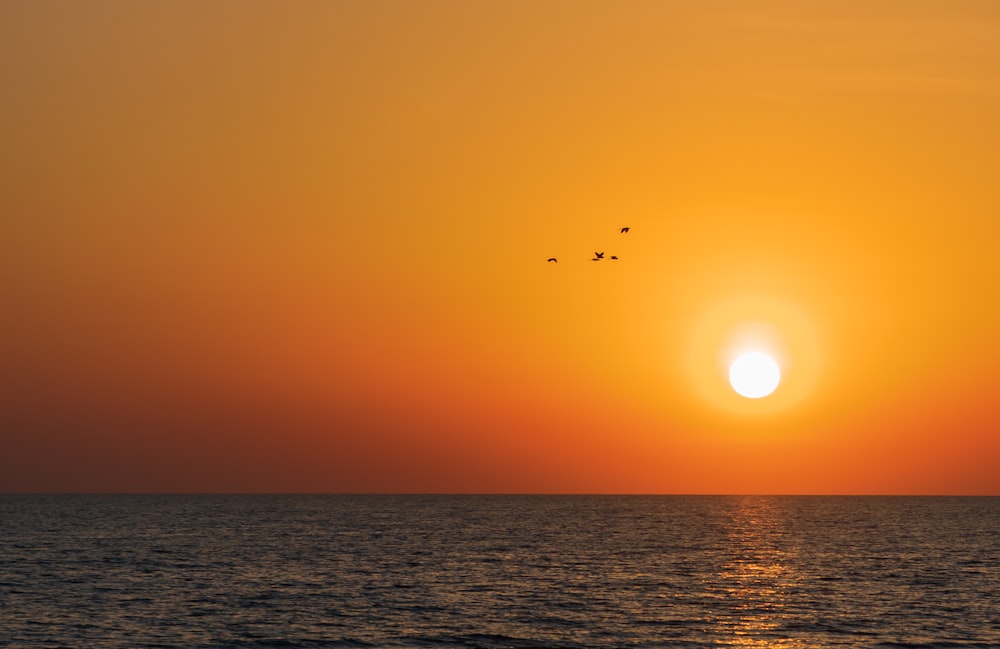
[{"x": 266, "y": 246}]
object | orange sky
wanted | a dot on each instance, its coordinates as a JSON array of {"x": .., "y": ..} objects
[{"x": 256, "y": 246}]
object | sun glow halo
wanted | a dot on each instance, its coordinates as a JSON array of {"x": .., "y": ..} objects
[{"x": 773, "y": 327}]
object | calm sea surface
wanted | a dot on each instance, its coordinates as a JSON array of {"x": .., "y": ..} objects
[{"x": 498, "y": 571}]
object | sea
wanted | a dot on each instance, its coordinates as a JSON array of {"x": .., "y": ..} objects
[{"x": 491, "y": 572}]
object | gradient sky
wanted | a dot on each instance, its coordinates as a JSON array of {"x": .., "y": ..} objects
[{"x": 264, "y": 246}]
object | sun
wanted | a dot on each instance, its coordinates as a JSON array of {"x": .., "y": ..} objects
[{"x": 754, "y": 375}]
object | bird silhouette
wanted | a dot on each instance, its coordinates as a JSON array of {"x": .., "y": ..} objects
[
  {"x": 624, "y": 230},
  {"x": 598, "y": 255},
  {"x": 613, "y": 257},
  {"x": 552, "y": 259}
]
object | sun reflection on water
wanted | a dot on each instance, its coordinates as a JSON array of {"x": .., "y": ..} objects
[{"x": 756, "y": 581}]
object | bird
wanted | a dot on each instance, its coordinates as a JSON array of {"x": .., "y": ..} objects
[
  {"x": 552, "y": 259},
  {"x": 598, "y": 255},
  {"x": 624, "y": 230},
  {"x": 613, "y": 257}
]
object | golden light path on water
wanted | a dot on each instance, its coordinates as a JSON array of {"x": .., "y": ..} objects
[{"x": 756, "y": 580}]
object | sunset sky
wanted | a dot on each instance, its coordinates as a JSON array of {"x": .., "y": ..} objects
[{"x": 301, "y": 247}]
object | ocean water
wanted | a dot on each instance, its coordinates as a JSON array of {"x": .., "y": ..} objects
[{"x": 498, "y": 571}]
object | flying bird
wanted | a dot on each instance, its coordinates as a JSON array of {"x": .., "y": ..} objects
[
  {"x": 613, "y": 257},
  {"x": 598, "y": 255},
  {"x": 624, "y": 230},
  {"x": 552, "y": 259}
]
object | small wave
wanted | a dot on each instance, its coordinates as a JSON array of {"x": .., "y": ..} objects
[
  {"x": 938, "y": 645},
  {"x": 484, "y": 641},
  {"x": 342, "y": 643}
]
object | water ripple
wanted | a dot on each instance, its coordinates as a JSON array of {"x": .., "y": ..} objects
[{"x": 499, "y": 572}]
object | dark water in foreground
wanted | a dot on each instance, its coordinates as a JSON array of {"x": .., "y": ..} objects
[{"x": 498, "y": 571}]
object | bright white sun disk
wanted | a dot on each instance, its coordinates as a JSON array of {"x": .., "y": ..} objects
[{"x": 754, "y": 375}]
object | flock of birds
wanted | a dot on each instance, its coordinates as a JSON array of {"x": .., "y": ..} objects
[{"x": 598, "y": 256}]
